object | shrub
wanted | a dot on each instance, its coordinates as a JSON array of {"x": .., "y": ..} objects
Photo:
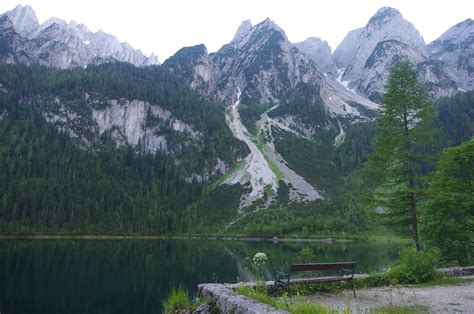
[
  {"x": 414, "y": 267},
  {"x": 177, "y": 302},
  {"x": 374, "y": 280}
]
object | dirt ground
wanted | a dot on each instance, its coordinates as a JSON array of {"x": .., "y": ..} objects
[{"x": 458, "y": 298}]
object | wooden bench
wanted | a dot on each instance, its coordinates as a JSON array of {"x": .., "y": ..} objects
[{"x": 345, "y": 272}]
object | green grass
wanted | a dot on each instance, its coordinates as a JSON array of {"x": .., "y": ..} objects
[
  {"x": 177, "y": 301},
  {"x": 224, "y": 177},
  {"x": 284, "y": 302},
  {"x": 261, "y": 147},
  {"x": 250, "y": 114},
  {"x": 258, "y": 294},
  {"x": 302, "y": 307}
]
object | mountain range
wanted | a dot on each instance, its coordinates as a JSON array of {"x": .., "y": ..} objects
[
  {"x": 262, "y": 123},
  {"x": 60, "y": 44}
]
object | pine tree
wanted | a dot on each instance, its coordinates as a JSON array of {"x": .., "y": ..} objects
[{"x": 404, "y": 132}]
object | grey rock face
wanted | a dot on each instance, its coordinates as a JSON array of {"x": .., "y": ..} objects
[
  {"x": 59, "y": 47},
  {"x": 242, "y": 31},
  {"x": 128, "y": 122},
  {"x": 320, "y": 52},
  {"x": 13, "y": 47},
  {"x": 455, "y": 51},
  {"x": 24, "y": 19},
  {"x": 195, "y": 67},
  {"x": 65, "y": 45},
  {"x": 265, "y": 66},
  {"x": 367, "y": 53}
]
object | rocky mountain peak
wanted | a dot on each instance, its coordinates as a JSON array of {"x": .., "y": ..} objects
[
  {"x": 24, "y": 19},
  {"x": 269, "y": 24},
  {"x": 194, "y": 66},
  {"x": 453, "y": 52},
  {"x": 242, "y": 31},
  {"x": 367, "y": 53},
  {"x": 61, "y": 44},
  {"x": 384, "y": 15},
  {"x": 259, "y": 32},
  {"x": 458, "y": 33},
  {"x": 319, "y": 51}
]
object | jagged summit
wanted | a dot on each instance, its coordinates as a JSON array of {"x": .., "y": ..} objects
[
  {"x": 366, "y": 54},
  {"x": 319, "y": 51},
  {"x": 384, "y": 15},
  {"x": 459, "y": 32},
  {"x": 242, "y": 31},
  {"x": 24, "y": 18},
  {"x": 268, "y": 23},
  {"x": 454, "y": 51},
  {"x": 63, "y": 45}
]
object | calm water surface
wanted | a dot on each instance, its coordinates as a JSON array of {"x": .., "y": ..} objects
[{"x": 135, "y": 276}]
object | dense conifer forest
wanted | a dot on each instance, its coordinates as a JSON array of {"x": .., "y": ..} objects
[{"x": 49, "y": 183}]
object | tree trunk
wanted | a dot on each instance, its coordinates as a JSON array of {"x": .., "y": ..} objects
[
  {"x": 414, "y": 220},
  {"x": 411, "y": 186}
]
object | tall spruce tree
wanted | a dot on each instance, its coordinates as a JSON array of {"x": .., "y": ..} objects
[{"x": 404, "y": 132}]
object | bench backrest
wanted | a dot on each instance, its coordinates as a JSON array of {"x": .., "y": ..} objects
[{"x": 322, "y": 266}]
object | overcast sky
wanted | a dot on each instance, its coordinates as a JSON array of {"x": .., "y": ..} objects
[{"x": 163, "y": 27}]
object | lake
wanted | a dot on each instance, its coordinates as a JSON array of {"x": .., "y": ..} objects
[{"x": 135, "y": 276}]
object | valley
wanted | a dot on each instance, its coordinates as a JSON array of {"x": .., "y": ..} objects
[
  {"x": 125, "y": 181},
  {"x": 250, "y": 137}
]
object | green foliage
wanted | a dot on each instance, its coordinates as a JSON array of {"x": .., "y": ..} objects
[
  {"x": 302, "y": 307},
  {"x": 285, "y": 303},
  {"x": 456, "y": 118},
  {"x": 121, "y": 80},
  {"x": 310, "y": 159},
  {"x": 374, "y": 280},
  {"x": 49, "y": 184},
  {"x": 249, "y": 114},
  {"x": 357, "y": 145},
  {"x": 45, "y": 177},
  {"x": 299, "y": 219},
  {"x": 448, "y": 216},
  {"x": 177, "y": 302},
  {"x": 403, "y": 138},
  {"x": 305, "y": 103},
  {"x": 216, "y": 208},
  {"x": 414, "y": 267},
  {"x": 258, "y": 293}
]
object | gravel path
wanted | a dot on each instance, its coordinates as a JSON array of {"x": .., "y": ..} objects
[{"x": 438, "y": 299}]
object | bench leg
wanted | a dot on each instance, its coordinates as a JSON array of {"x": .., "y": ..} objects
[{"x": 352, "y": 286}]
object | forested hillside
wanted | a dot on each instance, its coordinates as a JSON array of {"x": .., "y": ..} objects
[{"x": 51, "y": 182}]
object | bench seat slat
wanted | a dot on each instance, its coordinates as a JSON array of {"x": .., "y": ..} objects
[
  {"x": 300, "y": 281},
  {"x": 322, "y": 266}
]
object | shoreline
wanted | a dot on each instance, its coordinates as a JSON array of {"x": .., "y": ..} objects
[{"x": 178, "y": 237}]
